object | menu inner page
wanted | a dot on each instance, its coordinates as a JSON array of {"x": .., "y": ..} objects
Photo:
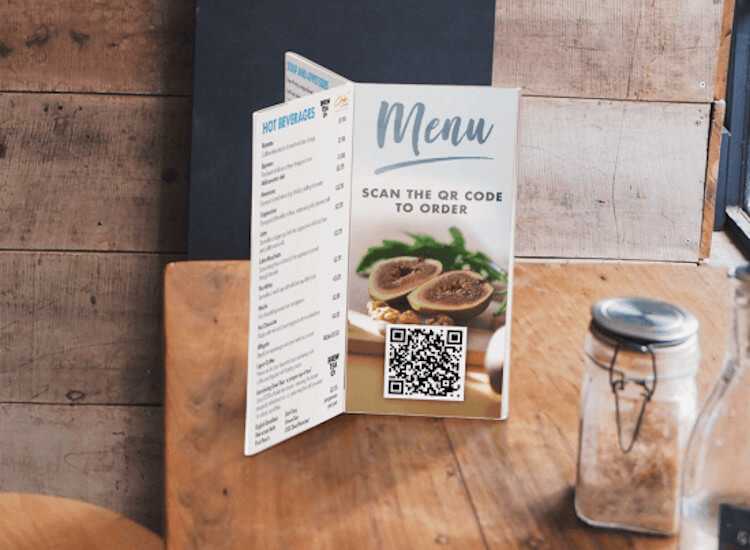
[
  {"x": 299, "y": 242},
  {"x": 303, "y": 77}
]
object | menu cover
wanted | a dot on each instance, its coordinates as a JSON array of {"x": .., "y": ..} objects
[{"x": 382, "y": 229}]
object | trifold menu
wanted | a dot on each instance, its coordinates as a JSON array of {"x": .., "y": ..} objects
[{"x": 401, "y": 256}]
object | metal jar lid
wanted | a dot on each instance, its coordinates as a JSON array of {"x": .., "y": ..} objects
[{"x": 643, "y": 321}]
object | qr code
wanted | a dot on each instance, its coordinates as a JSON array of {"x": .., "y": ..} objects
[{"x": 425, "y": 362}]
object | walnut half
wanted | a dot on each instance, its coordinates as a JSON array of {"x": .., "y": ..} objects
[
  {"x": 387, "y": 314},
  {"x": 408, "y": 317}
]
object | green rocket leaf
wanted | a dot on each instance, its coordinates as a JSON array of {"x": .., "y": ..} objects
[{"x": 453, "y": 255}]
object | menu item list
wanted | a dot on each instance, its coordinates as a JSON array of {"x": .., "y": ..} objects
[{"x": 298, "y": 287}]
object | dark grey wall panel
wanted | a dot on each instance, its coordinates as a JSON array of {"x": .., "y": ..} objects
[{"x": 239, "y": 69}]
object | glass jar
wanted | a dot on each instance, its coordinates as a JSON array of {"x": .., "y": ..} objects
[
  {"x": 638, "y": 406},
  {"x": 716, "y": 477}
]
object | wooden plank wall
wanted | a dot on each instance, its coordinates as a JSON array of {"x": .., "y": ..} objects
[
  {"x": 94, "y": 163},
  {"x": 611, "y": 179},
  {"x": 613, "y": 160}
]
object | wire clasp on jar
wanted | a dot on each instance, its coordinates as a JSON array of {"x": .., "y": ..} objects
[{"x": 618, "y": 380}]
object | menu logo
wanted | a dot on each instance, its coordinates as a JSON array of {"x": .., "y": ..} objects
[
  {"x": 341, "y": 101},
  {"x": 453, "y": 130}
]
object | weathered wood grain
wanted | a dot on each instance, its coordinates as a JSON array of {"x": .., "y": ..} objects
[
  {"x": 31, "y": 522},
  {"x": 393, "y": 482},
  {"x": 663, "y": 50},
  {"x": 611, "y": 179},
  {"x": 526, "y": 498},
  {"x": 139, "y": 46},
  {"x": 111, "y": 173},
  {"x": 108, "y": 456},
  {"x": 354, "y": 482},
  {"x": 80, "y": 327},
  {"x": 87, "y": 172},
  {"x": 725, "y": 45},
  {"x": 718, "y": 111}
]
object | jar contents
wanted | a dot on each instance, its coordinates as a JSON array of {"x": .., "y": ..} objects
[{"x": 640, "y": 488}]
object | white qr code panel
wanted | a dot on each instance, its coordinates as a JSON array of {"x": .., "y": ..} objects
[{"x": 425, "y": 362}]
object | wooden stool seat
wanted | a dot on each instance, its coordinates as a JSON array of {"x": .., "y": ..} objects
[{"x": 34, "y": 522}]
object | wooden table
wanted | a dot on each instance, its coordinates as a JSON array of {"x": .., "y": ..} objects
[
  {"x": 31, "y": 522},
  {"x": 367, "y": 481}
]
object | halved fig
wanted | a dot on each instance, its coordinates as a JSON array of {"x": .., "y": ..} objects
[
  {"x": 459, "y": 294},
  {"x": 394, "y": 278}
]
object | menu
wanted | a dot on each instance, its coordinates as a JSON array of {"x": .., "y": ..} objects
[{"x": 381, "y": 246}]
